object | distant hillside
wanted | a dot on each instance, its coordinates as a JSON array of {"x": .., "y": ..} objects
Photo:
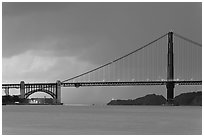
[
  {"x": 150, "y": 99},
  {"x": 189, "y": 99}
]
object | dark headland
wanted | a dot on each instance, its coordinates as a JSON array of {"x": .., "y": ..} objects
[
  {"x": 16, "y": 100},
  {"x": 184, "y": 99}
]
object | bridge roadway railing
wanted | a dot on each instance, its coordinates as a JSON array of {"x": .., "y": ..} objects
[
  {"x": 29, "y": 85},
  {"x": 132, "y": 83},
  {"x": 118, "y": 83},
  {"x": 4, "y": 86}
]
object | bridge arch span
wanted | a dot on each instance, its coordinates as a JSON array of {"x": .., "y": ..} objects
[{"x": 40, "y": 90}]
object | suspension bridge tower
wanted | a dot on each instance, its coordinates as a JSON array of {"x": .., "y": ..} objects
[{"x": 170, "y": 70}]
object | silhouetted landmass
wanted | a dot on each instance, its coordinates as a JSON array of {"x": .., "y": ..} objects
[
  {"x": 189, "y": 99},
  {"x": 13, "y": 100},
  {"x": 16, "y": 100},
  {"x": 150, "y": 99}
]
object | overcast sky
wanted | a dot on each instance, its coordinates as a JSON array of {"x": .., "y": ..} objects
[{"x": 54, "y": 41}]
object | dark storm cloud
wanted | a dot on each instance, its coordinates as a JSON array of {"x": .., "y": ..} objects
[{"x": 94, "y": 32}]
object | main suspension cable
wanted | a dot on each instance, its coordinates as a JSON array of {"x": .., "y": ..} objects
[{"x": 115, "y": 59}]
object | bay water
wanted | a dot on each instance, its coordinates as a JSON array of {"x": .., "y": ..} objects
[{"x": 101, "y": 120}]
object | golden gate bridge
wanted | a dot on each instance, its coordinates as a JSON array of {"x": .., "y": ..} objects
[{"x": 169, "y": 60}]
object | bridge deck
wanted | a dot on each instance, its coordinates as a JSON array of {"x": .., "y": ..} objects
[
  {"x": 28, "y": 85},
  {"x": 124, "y": 83},
  {"x": 133, "y": 83}
]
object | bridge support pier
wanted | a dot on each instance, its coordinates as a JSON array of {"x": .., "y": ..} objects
[
  {"x": 22, "y": 89},
  {"x": 170, "y": 93},
  {"x": 58, "y": 92}
]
